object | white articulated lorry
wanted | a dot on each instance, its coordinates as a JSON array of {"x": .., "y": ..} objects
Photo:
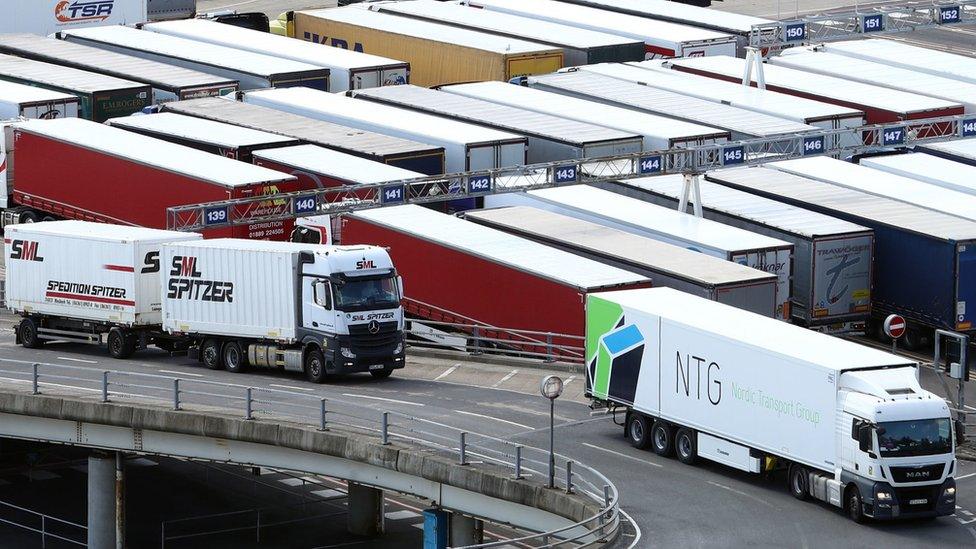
[
  {"x": 230, "y": 303},
  {"x": 700, "y": 379}
]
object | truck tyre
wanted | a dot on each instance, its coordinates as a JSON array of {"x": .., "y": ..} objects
[
  {"x": 29, "y": 216},
  {"x": 854, "y": 508},
  {"x": 210, "y": 354},
  {"x": 315, "y": 366},
  {"x": 121, "y": 344},
  {"x": 381, "y": 374},
  {"x": 662, "y": 438},
  {"x": 686, "y": 446},
  {"x": 639, "y": 431},
  {"x": 913, "y": 338},
  {"x": 799, "y": 479},
  {"x": 28, "y": 334},
  {"x": 235, "y": 360}
]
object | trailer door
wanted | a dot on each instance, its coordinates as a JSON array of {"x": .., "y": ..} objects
[{"x": 966, "y": 287}]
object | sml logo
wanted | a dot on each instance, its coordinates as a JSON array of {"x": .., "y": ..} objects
[
  {"x": 77, "y": 11},
  {"x": 187, "y": 282},
  {"x": 365, "y": 264},
  {"x": 24, "y": 250}
]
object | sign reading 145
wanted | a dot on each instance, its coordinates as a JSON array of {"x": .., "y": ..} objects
[{"x": 733, "y": 155}]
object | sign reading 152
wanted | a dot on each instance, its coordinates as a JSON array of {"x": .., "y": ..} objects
[{"x": 949, "y": 14}]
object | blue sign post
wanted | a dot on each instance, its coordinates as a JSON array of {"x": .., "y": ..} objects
[{"x": 436, "y": 523}]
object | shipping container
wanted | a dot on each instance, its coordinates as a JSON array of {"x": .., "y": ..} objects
[
  {"x": 880, "y": 105},
  {"x": 879, "y": 74},
  {"x": 904, "y": 55},
  {"x": 484, "y": 275},
  {"x": 924, "y": 261},
  {"x": 348, "y": 70},
  {"x": 162, "y": 10},
  {"x": 635, "y": 216},
  {"x": 659, "y": 38},
  {"x": 113, "y": 176},
  {"x": 658, "y": 132},
  {"x": 102, "y": 97},
  {"x": 962, "y": 150},
  {"x": 19, "y": 100},
  {"x": 46, "y": 17},
  {"x": 204, "y": 135},
  {"x": 879, "y": 183},
  {"x": 942, "y": 172},
  {"x": 251, "y": 70},
  {"x": 438, "y": 54},
  {"x": 169, "y": 83},
  {"x": 580, "y": 46},
  {"x": 549, "y": 137},
  {"x": 832, "y": 258},
  {"x": 742, "y": 124},
  {"x": 403, "y": 153},
  {"x": 666, "y": 265}
]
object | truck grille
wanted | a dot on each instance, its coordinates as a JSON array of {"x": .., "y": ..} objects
[
  {"x": 360, "y": 339},
  {"x": 917, "y": 500},
  {"x": 926, "y": 473}
]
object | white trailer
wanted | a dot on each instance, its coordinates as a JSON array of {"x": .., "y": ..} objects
[
  {"x": 851, "y": 425},
  {"x": 20, "y": 100},
  {"x": 348, "y": 69},
  {"x": 46, "y": 17},
  {"x": 942, "y": 172},
  {"x": 660, "y": 38},
  {"x": 658, "y": 132},
  {"x": 635, "y": 216},
  {"x": 962, "y": 150},
  {"x": 549, "y": 137},
  {"x": 906, "y": 56}
]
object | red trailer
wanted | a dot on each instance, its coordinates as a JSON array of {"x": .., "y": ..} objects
[
  {"x": 458, "y": 270},
  {"x": 76, "y": 169}
]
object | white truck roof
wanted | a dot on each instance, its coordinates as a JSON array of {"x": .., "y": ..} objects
[
  {"x": 832, "y": 353},
  {"x": 928, "y": 168},
  {"x": 907, "y": 56},
  {"x": 499, "y": 247},
  {"x": 101, "y": 231},
  {"x": 62, "y": 77},
  {"x": 676, "y": 11},
  {"x": 153, "y": 152},
  {"x": 22, "y": 93},
  {"x": 877, "y": 182},
  {"x": 198, "y": 129},
  {"x": 334, "y": 163},
  {"x": 964, "y": 149}
]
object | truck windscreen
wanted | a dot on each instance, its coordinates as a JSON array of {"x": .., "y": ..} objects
[
  {"x": 359, "y": 294},
  {"x": 923, "y": 437}
]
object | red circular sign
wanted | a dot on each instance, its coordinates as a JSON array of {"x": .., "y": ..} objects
[{"x": 894, "y": 326}]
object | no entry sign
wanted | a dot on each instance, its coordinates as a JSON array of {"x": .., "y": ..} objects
[{"x": 894, "y": 326}]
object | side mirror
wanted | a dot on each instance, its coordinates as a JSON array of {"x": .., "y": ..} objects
[
  {"x": 323, "y": 297},
  {"x": 400, "y": 286},
  {"x": 864, "y": 438}
]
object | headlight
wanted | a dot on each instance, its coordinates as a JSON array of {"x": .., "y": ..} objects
[
  {"x": 347, "y": 352},
  {"x": 398, "y": 349},
  {"x": 884, "y": 495},
  {"x": 950, "y": 491}
]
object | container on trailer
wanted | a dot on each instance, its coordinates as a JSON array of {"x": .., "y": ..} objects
[
  {"x": 84, "y": 270},
  {"x": 665, "y": 264},
  {"x": 942, "y": 172},
  {"x": 924, "y": 261},
  {"x": 659, "y": 38},
  {"x": 963, "y": 150},
  {"x": 113, "y": 176},
  {"x": 549, "y": 137},
  {"x": 20, "y": 100},
  {"x": 403, "y": 153},
  {"x": 162, "y": 10},
  {"x": 635, "y": 216},
  {"x": 426, "y": 46},
  {"x": 742, "y": 124},
  {"x": 169, "y": 83},
  {"x": 251, "y": 70},
  {"x": 832, "y": 258},
  {"x": 348, "y": 70},
  {"x": 906, "y": 56},
  {"x": 488, "y": 276},
  {"x": 205, "y": 135},
  {"x": 580, "y": 46},
  {"x": 49, "y": 16},
  {"x": 658, "y": 132},
  {"x": 102, "y": 97},
  {"x": 880, "y": 105}
]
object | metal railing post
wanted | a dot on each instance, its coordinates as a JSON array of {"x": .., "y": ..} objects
[
  {"x": 176, "y": 393},
  {"x": 35, "y": 389},
  {"x": 607, "y": 515},
  {"x": 569, "y": 477},
  {"x": 549, "y": 357},
  {"x": 322, "y": 414},
  {"x": 43, "y": 531},
  {"x": 476, "y": 332},
  {"x": 247, "y": 403},
  {"x": 258, "y": 533},
  {"x": 105, "y": 386},
  {"x": 461, "y": 460},
  {"x": 386, "y": 427},
  {"x": 518, "y": 462}
]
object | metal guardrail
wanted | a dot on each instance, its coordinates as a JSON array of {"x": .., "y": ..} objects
[
  {"x": 322, "y": 413},
  {"x": 44, "y": 524}
]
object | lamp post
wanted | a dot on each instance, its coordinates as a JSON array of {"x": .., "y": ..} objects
[{"x": 551, "y": 388}]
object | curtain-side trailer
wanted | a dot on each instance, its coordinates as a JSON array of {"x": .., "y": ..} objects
[
  {"x": 962, "y": 150},
  {"x": 907, "y": 56},
  {"x": 19, "y": 100},
  {"x": 942, "y": 172}
]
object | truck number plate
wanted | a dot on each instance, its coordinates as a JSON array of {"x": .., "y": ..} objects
[
  {"x": 917, "y": 501},
  {"x": 376, "y": 367}
]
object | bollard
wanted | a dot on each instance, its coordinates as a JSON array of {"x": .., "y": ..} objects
[
  {"x": 36, "y": 389},
  {"x": 105, "y": 386},
  {"x": 322, "y": 415},
  {"x": 386, "y": 425},
  {"x": 569, "y": 477},
  {"x": 462, "y": 460},
  {"x": 176, "y": 393},
  {"x": 247, "y": 404},
  {"x": 518, "y": 462}
]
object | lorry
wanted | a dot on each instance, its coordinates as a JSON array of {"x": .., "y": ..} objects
[
  {"x": 850, "y": 425},
  {"x": 101, "y": 97},
  {"x": 658, "y": 38},
  {"x": 549, "y": 137},
  {"x": 833, "y": 259},
  {"x": 20, "y": 101},
  {"x": 251, "y": 70},
  {"x": 930, "y": 293},
  {"x": 169, "y": 83},
  {"x": 962, "y": 150},
  {"x": 348, "y": 70},
  {"x": 935, "y": 170},
  {"x": 317, "y": 310},
  {"x": 394, "y": 151},
  {"x": 907, "y": 56},
  {"x": 46, "y": 17},
  {"x": 665, "y": 264},
  {"x": 474, "y": 55}
]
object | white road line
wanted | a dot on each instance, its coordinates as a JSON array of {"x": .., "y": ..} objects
[
  {"x": 739, "y": 492},
  {"x": 595, "y": 447},
  {"x": 447, "y": 372},
  {"x": 291, "y": 387},
  {"x": 968, "y": 406},
  {"x": 494, "y": 419},
  {"x": 966, "y": 476},
  {"x": 180, "y": 373},
  {"x": 568, "y": 381},
  {"x": 507, "y": 377},
  {"x": 599, "y": 412},
  {"x": 383, "y": 399},
  {"x": 637, "y": 536},
  {"x": 77, "y": 360}
]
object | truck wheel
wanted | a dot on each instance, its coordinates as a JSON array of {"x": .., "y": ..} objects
[
  {"x": 315, "y": 366},
  {"x": 639, "y": 431},
  {"x": 854, "y": 508},
  {"x": 913, "y": 339},
  {"x": 29, "y": 216},
  {"x": 210, "y": 354},
  {"x": 28, "y": 334},
  {"x": 381, "y": 374},
  {"x": 799, "y": 479},
  {"x": 234, "y": 358},
  {"x": 662, "y": 438},
  {"x": 686, "y": 446},
  {"x": 121, "y": 344}
]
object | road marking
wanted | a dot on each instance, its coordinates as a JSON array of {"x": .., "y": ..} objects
[
  {"x": 292, "y": 387},
  {"x": 180, "y": 373},
  {"x": 595, "y": 447},
  {"x": 447, "y": 372},
  {"x": 567, "y": 382},
  {"x": 77, "y": 360},
  {"x": 968, "y": 406},
  {"x": 328, "y": 493},
  {"x": 637, "y": 530},
  {"x": 507, "y": 377},
  {"x": 966, "y": 476},
  {"x": 401, "y": 515},
  {"x": 494, "y": 418},
  {"x": 604, "y": 411},
  {"x": 291, "y": 481},
  {"x": 740, "y": 492},
  {"x": 383, "y": 399}
]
